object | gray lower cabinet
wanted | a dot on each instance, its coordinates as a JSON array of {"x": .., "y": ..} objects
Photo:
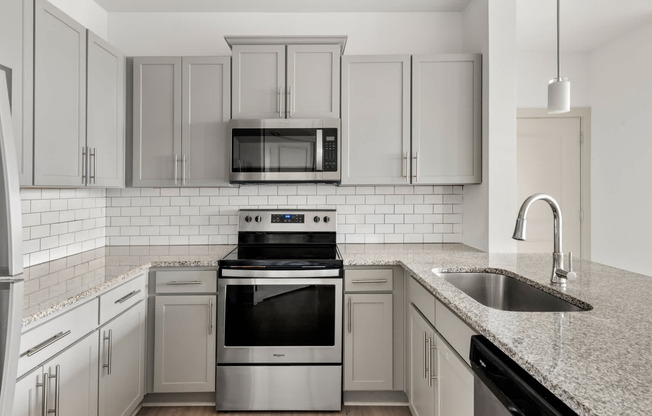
[
  {"x": 64, "y": 385},
  {"x": 368, "y": 334},
  {"x": 59, "y": 97},
  {"x": 122, "y": 362},
  {"x": 455, "y": 380},
  {"x": 180, "y": 110},
  {"x": 422, "y": 394}
]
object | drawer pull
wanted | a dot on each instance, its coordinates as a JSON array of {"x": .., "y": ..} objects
[
  {"x": 189, "y": 282},
  {"x": 370, "y": 281},
  {"x": 45, "y": 343},
  {"x": 127, "y": 296}
]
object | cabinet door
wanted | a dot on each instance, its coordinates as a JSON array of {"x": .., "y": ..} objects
[
  {"x": 446, "y": 119},
  {"x": 105, "y": 135},
  {"x": 59, "y": 97},
  {"x": 184, "y": 344},
  {"x": 122, "y": 363},
  {"x": 422, "y": 392},
  {"x": 73, "y": 378},
  {"x": 375, "y": 119},
  {"x": 368, "y": 354},
  {"x": 156, "y": 121},
  {"x": 455, "y": 381},
  {"x": 206, "y": 108},
  {"x": 313, "y": 81},
  {"x": 28, "y": 399},
  {"x": 258, "y": 81}
]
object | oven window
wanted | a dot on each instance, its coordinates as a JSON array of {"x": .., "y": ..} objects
[
  {"x": 280, "y": 315},
  {"x": 274, "y": 150}
]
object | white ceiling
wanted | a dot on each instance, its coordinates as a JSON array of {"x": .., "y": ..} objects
[
  {"x": 585, "y": 24},
  {"x": 279, "y": 6}
]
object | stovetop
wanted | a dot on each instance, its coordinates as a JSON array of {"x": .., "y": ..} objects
[{"x": 283, "y": 257}]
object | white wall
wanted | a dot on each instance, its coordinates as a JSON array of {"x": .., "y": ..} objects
[
  {"x": 86, "y": 12},
  {"x": 536, "y": 68},
  {"x": 203, "y": 33},
  {"x": 621, "y": 196}
]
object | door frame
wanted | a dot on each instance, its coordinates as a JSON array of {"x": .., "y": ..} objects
[{"x": 584, "y": 114}]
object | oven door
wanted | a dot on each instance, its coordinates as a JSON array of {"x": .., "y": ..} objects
[{"x": 270, "y": 317}]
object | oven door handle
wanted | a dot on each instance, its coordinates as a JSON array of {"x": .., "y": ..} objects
[{"x": 280, "y": 273}]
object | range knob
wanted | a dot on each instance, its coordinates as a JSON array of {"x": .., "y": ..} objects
[
  {"x": 259, "y": 218},
  {"x": 248, "y": 218},
  {"x": 327, "y": 219},
  {"x": 316, "y": 219}
]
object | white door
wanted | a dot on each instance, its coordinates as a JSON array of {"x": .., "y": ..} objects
[{"x": 548, "y": 161}]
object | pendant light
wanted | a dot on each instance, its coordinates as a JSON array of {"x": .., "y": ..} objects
[{"x": 558, "y": 88}]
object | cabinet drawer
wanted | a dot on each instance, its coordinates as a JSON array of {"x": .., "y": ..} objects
[
  {"x": 186, "y": 281},
  {"x": 422, "y": 299},
  {"x": 455, "y": 330},
  {"x": 122, "y": 298},
  {"x": 372, "y": 280},
  {"x": 42, "y": 342}
]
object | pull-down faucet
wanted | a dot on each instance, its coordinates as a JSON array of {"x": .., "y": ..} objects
[{"x": 559, "y": 275}]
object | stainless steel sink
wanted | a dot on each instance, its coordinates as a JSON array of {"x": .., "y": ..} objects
[{"x": 507, "y": 293}]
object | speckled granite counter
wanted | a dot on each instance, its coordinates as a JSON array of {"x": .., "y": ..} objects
[{"x": 598, "y": 361}]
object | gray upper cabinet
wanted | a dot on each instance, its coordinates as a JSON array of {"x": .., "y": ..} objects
[
  {"x": 446, "y": 119},
  {"x": 279, "y": 81},
  {"x": 59, "y": 97},
  {"x": 375, "y": 119},
  {"x": 180, "y": 110},
  {"x": 105, "y": 134}
]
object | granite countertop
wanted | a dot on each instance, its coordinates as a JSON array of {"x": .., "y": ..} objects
[{"x": 597, "y": 361}]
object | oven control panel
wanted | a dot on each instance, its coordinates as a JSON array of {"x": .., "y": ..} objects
[{"x": 301, "y": 220}]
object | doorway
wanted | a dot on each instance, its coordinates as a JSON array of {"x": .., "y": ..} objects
[{"x": 553, "y": 156}]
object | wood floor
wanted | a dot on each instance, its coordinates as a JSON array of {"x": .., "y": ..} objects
[{"x": 210, "y": 411}]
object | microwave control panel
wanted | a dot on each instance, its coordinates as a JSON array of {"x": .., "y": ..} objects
[{"x": 330, "y": 150}]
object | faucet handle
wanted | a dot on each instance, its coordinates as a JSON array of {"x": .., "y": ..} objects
[{"x": 571, "y": 274}]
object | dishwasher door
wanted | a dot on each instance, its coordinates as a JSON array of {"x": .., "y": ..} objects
[{"x": 502, "y": 387}]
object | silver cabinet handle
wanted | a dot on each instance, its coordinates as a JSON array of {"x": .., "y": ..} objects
[
  {"x": 189, "y": 282},
  {"x": 370, "y": 281},
  {"x": 44, "y": 394},
  {"x": 127, "y": 296},
  {"x": 433, "y": 373},
  {"x": 350, "y": 312},
  {"x": 210, "y": 317},
  {"x": 405, "y": 165},
  {"x": 278, "y": 105},
  {"x": 57, "y": 391},
  {"x": 425, "y": 355},
  {"x": 415, "y": 170},
  {"x": 176, "y": 168},
  {"x": 183, "y": 169},
  {"x": 289, "y": 101},
  {"x": 109, "y": 355},
  {"x": 84, "y": 165},
  {"x": 92, "y": 167},
  {"x": 45, "y": 343}
]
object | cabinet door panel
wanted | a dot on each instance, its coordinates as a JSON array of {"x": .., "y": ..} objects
[
  {"x": 206, "y": 109},
  {"x": 184, "y": 344},
  {"x": 422, "y": 393},
  {"x": 105, "y": 113},
  {"x": 455, "y": 382},
  {"x": 446, "y": 119},
  {"x": 313, "y": 81},
  {"x": 59, "y": 97},
  {"x": 375, "y": 119},
  {"x": 258, "y": 81},
  {"x": 157, "y": 121},
  {"x": 368, "y": 354},
  {"x": 28, "y": 397},
  {"x": 123, "y": 389}
]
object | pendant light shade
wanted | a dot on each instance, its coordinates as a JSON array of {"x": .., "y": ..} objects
[{"x": 558, "y": 88}]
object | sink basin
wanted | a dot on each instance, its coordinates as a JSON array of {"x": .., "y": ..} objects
[{"x": 507, "y": 293}]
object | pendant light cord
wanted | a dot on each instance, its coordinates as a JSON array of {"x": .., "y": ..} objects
[{"x": 558, "y": 72}]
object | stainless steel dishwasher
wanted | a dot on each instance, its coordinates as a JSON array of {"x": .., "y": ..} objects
[{"x": 502, "y": 387}]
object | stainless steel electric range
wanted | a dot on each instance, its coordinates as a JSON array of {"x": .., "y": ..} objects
[{"x": 279, "y": 337}]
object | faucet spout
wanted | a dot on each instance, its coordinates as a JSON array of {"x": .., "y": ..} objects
[{"x": 558, "y": 271}]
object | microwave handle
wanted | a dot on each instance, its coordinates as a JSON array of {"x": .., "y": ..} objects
[{"x": 319, "y": 154}]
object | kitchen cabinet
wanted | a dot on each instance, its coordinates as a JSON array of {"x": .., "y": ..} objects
[
  {"x": 180, "y": 110},
  {"x": 70, "y": 383},
  {"x": 444, "y": 112},
  {"x": 279, "y": 81},
  {"x": 122, "y": 365},
  {"x": 184, "y": 331},
  {"x": 376, "y": 120},
  {"x": 59, "y": 97},
  {"x": 446, "y": 119},
  {"x": 455, "y": 382},
  {"x": 422, "y": 394},
  {"x": 105, "y": 113}
]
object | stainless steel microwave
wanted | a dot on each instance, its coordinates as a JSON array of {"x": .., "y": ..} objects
[{"x": 284, "y": 150}]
